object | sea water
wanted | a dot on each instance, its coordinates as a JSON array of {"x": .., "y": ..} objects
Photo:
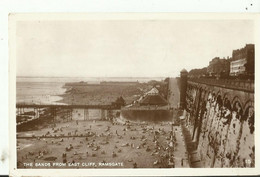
[
  {"x": 39, "y": 92},
  {"x": 47, "y": 90}
]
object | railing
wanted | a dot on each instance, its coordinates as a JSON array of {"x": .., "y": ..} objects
[
  {"x": 244, "y": 85},
  {"x": 145, "y": 108},
  {"x": 66, "y": 106}
]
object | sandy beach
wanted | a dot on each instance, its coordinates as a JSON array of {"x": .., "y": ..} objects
[{"x": 97, "y": 141}]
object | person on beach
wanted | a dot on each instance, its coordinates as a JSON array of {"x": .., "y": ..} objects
[{"x": 135, "y": 165}]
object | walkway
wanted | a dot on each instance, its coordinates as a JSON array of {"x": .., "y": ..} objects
[
  {"x": 191, "y": 147},
  {"x": 174, "y": 93},
  {"x": 180, "y": 153}
]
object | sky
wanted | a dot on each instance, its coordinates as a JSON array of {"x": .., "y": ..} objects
[{"x": 125, "y": 48}]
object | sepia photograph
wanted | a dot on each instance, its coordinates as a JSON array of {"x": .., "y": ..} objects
[{"x": 117, "y": 91}]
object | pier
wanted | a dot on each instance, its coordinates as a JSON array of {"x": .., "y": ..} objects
[
  {"x": 71, "y": 106},
  {"x": 54, "y": 111}
]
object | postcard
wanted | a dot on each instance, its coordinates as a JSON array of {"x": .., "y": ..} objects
[{"x": 123, "y": 94}]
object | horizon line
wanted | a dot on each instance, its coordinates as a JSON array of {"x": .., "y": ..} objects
[{"x": 92, "y": 76}]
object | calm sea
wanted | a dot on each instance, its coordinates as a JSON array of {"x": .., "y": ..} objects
[{"x": 46, "y": 90}]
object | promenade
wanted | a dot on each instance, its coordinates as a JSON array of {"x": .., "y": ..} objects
[
  {"x": 191, "y": 147},
  {"x": 180, "y": 152},
  {"x": 174, "y": 93}
]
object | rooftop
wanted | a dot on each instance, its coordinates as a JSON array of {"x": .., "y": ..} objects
[{"x": 153, "y": 100}]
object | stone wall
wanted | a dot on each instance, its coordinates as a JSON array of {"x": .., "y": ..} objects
[
  {"x": 221, "y": 121},
  {"x": 147, "y": 115}
]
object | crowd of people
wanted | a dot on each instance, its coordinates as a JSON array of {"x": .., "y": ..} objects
[{"x": 157, "y": 142}]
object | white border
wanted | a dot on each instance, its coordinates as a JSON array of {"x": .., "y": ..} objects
[{"x": 121, "y": 172}]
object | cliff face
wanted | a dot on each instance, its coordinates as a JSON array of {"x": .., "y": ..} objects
[{"x": 222, "y": 129}]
